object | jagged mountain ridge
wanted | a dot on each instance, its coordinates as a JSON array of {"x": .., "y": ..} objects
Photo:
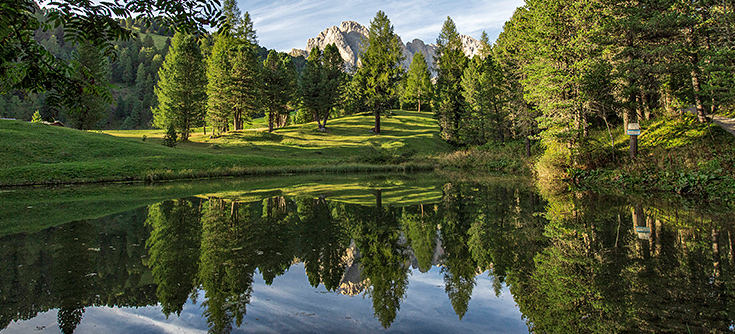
[{"x": 348, "y": 39}]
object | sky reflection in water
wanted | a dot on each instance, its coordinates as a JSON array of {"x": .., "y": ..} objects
[{"x": 290, "y": 304}]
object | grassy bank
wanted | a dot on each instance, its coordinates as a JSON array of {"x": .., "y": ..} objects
[
  {"x": 492, "y": 158},
  {"x": 676, "y": 156},
  {"x": 41, "y": 154}
]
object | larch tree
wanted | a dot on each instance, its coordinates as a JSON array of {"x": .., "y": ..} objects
[
  {"x": 380, "y": 69},
  {"x": 311, "y": 88},
  {"x": 247, "y": 85},
  {"x": 181, "y": 88},
  {"x": 233, "y": 71},
  {"x": 483, "y": 90},
  {"x": 334, "y": 80},
  {"x": 451, "y": 62},
  {"x": 220, "y": 86},
  {"x": 418, "y": 90},
  {"x": 278, "y": 87}
]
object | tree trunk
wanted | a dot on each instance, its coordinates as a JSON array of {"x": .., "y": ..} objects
[
  {"x": 528, "y": 147},
  {"x": 629, "y": 116},
  {"x": 377, "y": 122},
  {"x": 694, "y": 62},
  {"x": 270, "y": 121},
  {"x": 716, "y": 251}
]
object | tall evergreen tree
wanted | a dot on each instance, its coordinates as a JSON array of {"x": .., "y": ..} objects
[
  {"x": 311, "y": 87},
  {"x": 451, "y": 62},
  {"x": 246, "y": 85},
  {"x": 482, "y": 88},
  {"x": 334, "y": 80},
  {"x": 419, "y": 89},
  {"x": 322, "y": 83},
  {"x": 233, "y": 71},
  {"x": 220, "y": 84},
  {"x": 380, "y": 69},
  {"x": 277, "y": 89},
  {"x": 94, "y": 102},
  {"x": 181, "y": 88}
]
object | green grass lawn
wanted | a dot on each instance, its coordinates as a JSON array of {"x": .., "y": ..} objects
[{"x": 41, "y": 154}]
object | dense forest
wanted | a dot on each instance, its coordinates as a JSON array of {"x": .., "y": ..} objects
[{"x": 560, "y": 72}]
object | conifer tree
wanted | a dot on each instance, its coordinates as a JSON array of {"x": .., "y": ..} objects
[
  {"x": 334, "y": 79},
  {"x": 247, "y": 84},
  {"x": 482, "y": 88},
  {"x": 277, "y": 89},
  {"x": 233, "y": 71},
  {"x": 311, "y": 86},
  {"x": 181, "y": 88},
  {"x": 93, "y": 104},
  {"x": 380, "y": 69},
  {"x": 419, "y": 89},
  {"x": 451, "y": 62},
  {"x": 219, "y": 86}
]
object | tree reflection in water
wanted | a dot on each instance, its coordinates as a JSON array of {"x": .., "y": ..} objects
[{"x": 574, "y": 263}]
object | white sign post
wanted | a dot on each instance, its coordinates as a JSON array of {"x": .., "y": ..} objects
[{"x": 634, "y": 130}]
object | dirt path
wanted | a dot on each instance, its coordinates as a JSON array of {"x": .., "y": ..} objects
[{"x": 726, "y": 123}]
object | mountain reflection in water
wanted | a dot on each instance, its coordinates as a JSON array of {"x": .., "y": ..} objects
[{"x": 573, "y": 263}]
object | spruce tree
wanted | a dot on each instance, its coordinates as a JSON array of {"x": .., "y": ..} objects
[
  {"x": 419, "y": 89},
  {"x": 380, "y": 69},
  {"x": 181, "y": 88}
]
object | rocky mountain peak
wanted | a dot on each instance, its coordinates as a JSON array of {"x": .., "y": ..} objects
[{"x": 349, "y": 35}]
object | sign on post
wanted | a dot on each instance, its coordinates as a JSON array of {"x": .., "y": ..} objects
[{"x": 634, "y": 129}]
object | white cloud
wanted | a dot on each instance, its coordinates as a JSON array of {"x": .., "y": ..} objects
[{"x": 283, "y": 24}]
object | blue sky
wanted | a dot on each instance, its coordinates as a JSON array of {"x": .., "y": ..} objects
[{"x": 286, "y": 24}]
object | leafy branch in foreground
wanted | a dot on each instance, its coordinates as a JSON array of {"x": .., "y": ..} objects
[{"x": 28, "y": 67}]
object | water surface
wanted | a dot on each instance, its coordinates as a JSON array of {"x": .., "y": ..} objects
[{"x": 399, "y": 254}]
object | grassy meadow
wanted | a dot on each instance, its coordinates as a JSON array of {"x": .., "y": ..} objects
[{"x": 42, "y": 154}]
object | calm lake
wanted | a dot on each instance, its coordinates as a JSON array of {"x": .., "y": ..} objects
[{"x": 352, "y": 254}]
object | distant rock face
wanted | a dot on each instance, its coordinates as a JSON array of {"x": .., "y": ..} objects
[
  {"x": 349, "y": 35},
  {"x": 298, "y": 52}
]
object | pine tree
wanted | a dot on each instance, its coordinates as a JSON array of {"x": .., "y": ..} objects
[
  {"x": 181, "y": 88},
  {"x": 380, "y": 69},
  {"x": 451, "y": 62},
  {"x": 419, "y": 89},
  {"x": 140, "y": 80}
]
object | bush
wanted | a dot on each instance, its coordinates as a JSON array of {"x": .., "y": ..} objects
[{"x": 170, "y": 138}]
